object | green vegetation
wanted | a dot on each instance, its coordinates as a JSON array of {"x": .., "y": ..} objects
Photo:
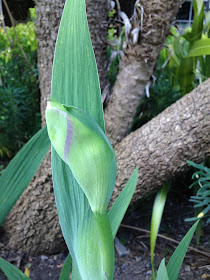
[
  {"x": 19, "y": 91},
  {"x": 202, "y": 198},
  {"x": 84, "y": 185},
  {"x": 183, "y": 64}
]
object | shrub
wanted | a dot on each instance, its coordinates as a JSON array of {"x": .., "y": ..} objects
[{"x": 19, "y": 91}]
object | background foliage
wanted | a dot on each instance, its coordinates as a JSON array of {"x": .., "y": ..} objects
[{"x": 19, "y": 90}]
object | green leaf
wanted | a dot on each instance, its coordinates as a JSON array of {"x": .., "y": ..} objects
[
  {"x": 75, "y": 83},
  {"x": 162, "y": 271},
  {"x": 11, "y": 271},
  {"x": 198, "y": 166},
  {"x": 65, "y": 272},
  {"x": 186, "y": 75},
  {"x": 207, "y": 19},
  {"x": 198, "y": 232},
  {"x": 118, "y": 209},
  {"x": 157, "y": 213},
  {"x": 202, "y": 66},
  {"x": 176, "y": 51},
  {"x": 200, "y": 47},
  {"x": 207, "y": 23},
  {"x": 21, "y": 169},
  {"x": 198, "y": 6},
  {"x": 77, "y": 223},
  {"x": 187, "y": 34},
  {"x": 75, "y": 272},
  {"x": 207, "y": 66},
  {"x": 177, "y": 258},
  {"x": 197, "y": 25}
]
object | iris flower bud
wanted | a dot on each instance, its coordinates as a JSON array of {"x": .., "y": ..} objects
[{"x": 83, "y": 145}]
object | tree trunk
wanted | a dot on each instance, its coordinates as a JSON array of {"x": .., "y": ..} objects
[{"x": 152, "y": 19}]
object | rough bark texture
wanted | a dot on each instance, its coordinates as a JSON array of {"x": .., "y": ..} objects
[
  {"x": 47, "y": 24},
  {"x": 33, "y": 224},
  {"x": 153, "y": 18},
  {"x": 161, "y": 147}
]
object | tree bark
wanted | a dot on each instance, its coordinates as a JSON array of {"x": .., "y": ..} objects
[
  {"x": 162, "y": 146},
  {"x": 153, "y": 19}
]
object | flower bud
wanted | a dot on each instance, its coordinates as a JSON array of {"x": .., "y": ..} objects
[{"x": 83, "y": 145}]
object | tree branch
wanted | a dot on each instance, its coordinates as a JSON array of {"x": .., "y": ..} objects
[
  {"x": 161, "y": 147},
  {"x": 151, "y": 23}
]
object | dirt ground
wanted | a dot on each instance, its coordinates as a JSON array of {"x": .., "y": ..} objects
[{"x": 135, "y": 264}]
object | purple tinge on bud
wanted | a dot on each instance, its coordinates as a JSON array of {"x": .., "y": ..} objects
[{"x": 68, "y": 139}]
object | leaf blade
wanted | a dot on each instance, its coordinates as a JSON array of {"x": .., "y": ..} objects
[
  {"x": 200, "y": 47},
  {"x": 11, "y": 271},
  {"x": 177, "y": 258},
  {"x": 118, "y": 209},
  {"x": 157, "y": 213},
  {"x": 186, "y": 75},
  {"x": 65, "y": 272},
  {"x": 76, "y": 218},
  {"x": 76, "y": 84},
  {"x": 21, "y": 170},
  {"x": 162, "y": 271}
]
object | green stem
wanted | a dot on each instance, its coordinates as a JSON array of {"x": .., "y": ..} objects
[{"x": 107, "y": 244}]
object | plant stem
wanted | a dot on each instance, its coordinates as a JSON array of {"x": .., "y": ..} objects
[{"x": 107, "y": 244}]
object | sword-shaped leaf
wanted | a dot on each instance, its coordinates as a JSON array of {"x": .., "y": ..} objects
[
  {"x": 75, "y": 83},
  {"x": 11, "y": 271},
  {"x": 157, "y": 213},
  {"x": 118, "y": 209},
  {"x": 177, "y": 258},
  {"x": 21, "y": 169},
  {"x": 162, "y": 271},
  {"x": 65, "y": 272}
]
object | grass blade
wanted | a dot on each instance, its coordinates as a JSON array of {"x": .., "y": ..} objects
[
  {"x": 11, "y": 271},
  {"x": 157, "y": 213},
  {"x": 65, "y": 272},
  {"x": 21, "y": 169},
  {"x": 118, "y": 209},
  {"x": 177, "y": 258},
  {"x": 162, "y": 271}
]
